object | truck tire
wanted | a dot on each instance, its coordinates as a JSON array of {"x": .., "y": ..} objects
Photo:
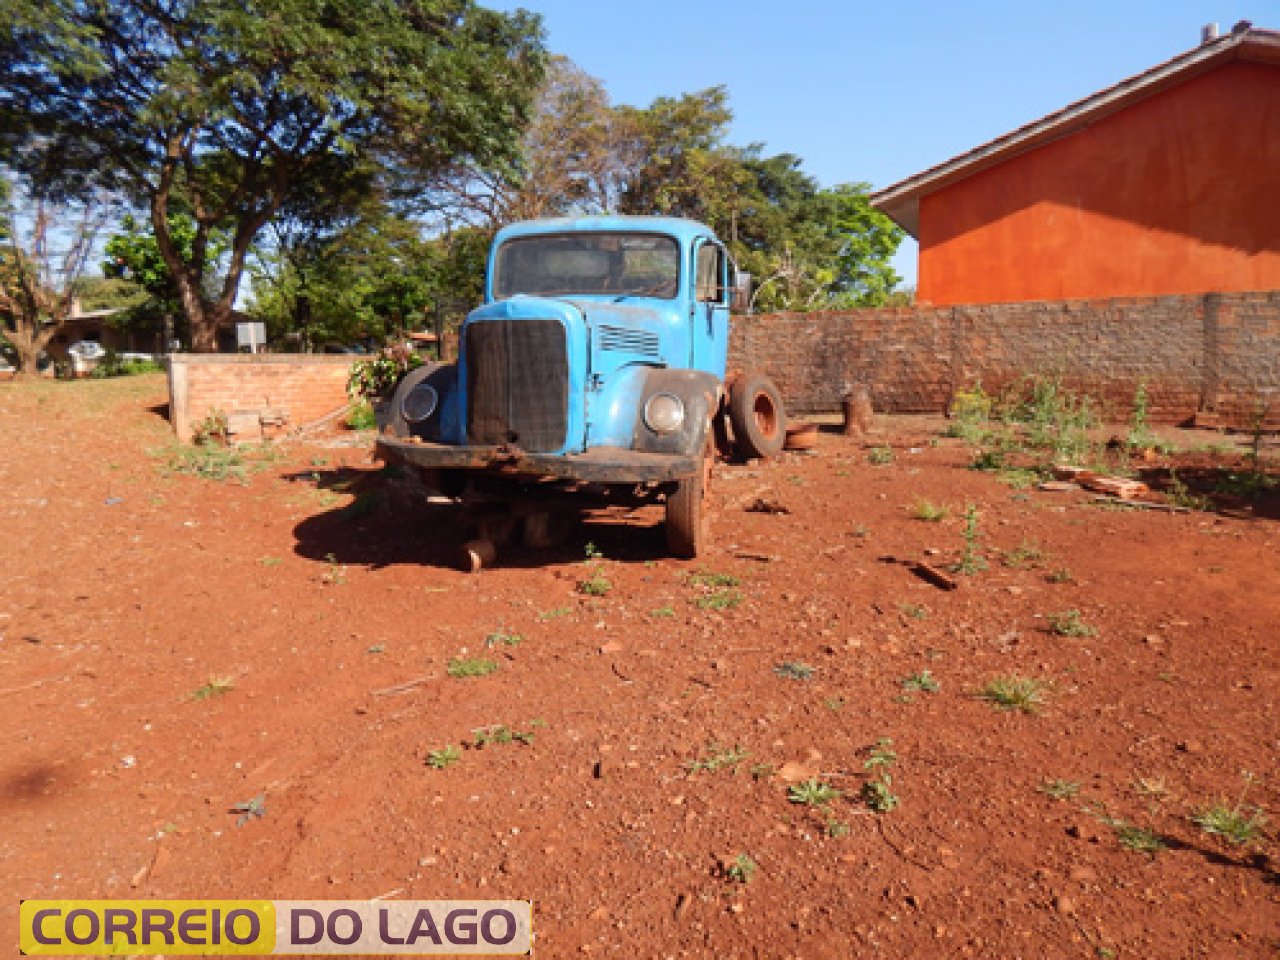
[
  {"x": 686, "y": 524},
  {"x": 755, "y": 410}
]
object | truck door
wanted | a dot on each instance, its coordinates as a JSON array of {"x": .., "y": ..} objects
[{"x": 710, "y": 334}]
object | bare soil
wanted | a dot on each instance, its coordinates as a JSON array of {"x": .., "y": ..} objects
[{"x": 171, "y": 646}]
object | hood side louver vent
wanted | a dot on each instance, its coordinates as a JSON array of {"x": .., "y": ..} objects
[{"x": 624, "y": 340}]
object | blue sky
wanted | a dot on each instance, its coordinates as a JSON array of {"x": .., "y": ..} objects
[{"x": 876, "y": 92}]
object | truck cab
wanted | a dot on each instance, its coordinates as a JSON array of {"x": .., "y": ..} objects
[{"x": 598, "y": 357}]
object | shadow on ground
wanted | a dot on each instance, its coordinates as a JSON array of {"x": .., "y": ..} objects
[{"x": 390, "y": 522}]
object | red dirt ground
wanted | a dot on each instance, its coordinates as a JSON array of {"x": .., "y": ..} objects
[{"x": 321, "y": 588}]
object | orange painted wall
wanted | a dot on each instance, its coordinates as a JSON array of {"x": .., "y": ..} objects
[{"x": 1179, "y": 193}]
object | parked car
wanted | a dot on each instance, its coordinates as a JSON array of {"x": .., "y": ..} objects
[{"x": 87, "y": 350}]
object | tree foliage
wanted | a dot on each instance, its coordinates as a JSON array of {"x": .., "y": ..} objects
[
  {"x": 808, "y": 247},
  {"x": 238, "y": 109}
]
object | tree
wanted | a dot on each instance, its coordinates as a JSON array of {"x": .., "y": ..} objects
[
  {"x": 134, "y": 255},
  {"x": 38, "y": 282},
  {"x": 234, "y": 108}
]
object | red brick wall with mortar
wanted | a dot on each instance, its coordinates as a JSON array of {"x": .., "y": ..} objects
[
  {"x": 1214, "y": 358},
  {"x": 261, "y": 394}
]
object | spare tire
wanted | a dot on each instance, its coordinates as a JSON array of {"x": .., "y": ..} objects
[{"x": 755, "y": 410}]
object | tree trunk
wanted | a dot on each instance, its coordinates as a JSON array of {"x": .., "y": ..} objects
[{"x": 28, "y": 354}]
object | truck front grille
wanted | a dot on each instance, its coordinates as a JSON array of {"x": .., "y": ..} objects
[{"x": 517, "y": 384}]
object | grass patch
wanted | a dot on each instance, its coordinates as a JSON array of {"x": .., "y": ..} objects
[
  {"x": 739, "y": 870},
  {"x": 1233, "y": 823},
  {"x": 216, "y": 687},
  {"x": 928, "y": 511},
  {"x": 500, "y": 638},
  {"x": 1024, "y": 556},
  {"x": 880, "y": 456},
  {"x": 718, "y": 758},
  {"x": 443, "y": 758},
  {"x": 794, "y": 670},
  {"x": 922, "y": 682},
  {"x": 1060, "y": 789},
  {"x": 361, "y": 416},
  {"x": 461, "y": 667},
  {"x": 719, "y": 600},
  {"x": 1069, "y": 623},
  {"x": 1024, "y": 694},
  {"x": 499, "y": 734}
]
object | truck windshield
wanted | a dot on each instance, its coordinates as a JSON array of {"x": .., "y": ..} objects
[{"x": 621, "y": 264}]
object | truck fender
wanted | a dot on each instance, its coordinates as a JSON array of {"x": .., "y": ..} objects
[
  {"x": 700, "y": 393},
  {"x": 403, "y": 420}
]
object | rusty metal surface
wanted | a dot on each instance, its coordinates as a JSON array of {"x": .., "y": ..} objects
[{"x": 598, "y": 465}]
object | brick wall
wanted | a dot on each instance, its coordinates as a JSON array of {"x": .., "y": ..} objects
[
  {"x": 1213, "y": 358},
  {"x": 261, "y": 394}
]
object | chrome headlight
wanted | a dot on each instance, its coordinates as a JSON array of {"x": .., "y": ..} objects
[
  {"x": 420, "y": 403},
  {"x": 664, "y": 413}
]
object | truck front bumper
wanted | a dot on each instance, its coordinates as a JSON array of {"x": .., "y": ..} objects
[{"x": 597, "y": 465}]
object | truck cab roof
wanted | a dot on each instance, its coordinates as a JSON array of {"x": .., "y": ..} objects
[{"x": 678, "y": 228}]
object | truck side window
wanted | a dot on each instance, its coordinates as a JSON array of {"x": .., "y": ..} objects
[{"x": 710, "y": 270}]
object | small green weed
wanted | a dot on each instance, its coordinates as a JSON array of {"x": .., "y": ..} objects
[
  {"x": 794, "y": 670},
  {"x": 834, "y": 704},
  {"x": 877, "y": 793},
  {"x": 335, "y": 573},
  {"x": 444, "y": 757},
  {"x": 713, "y": 581},
  {"x": 499, "y": 734},
  {"x": 1024, "y": 556},
  {"x": 555, "y": 613},
  {"x": 928, "y": 511},
  {"x": 1060, "y": 789},
  {"x": 719, "y": 600},
  {"x": 1232, "y": 823},
  {"x": 665, "y": 611},
  {"x": 718, "y": 758},
  {"x": 1136, "y": 838},
  {"x": 879, "y": 796},
  {"x": 740, "y": 870},
  {"x": 1246, "y": 486},
  {"x": 460, "y": 667},
  {"x": 216, "y": 687},
  {"x": 1024, "y": 694},
  {"x": 1021, "y": 478},
  {"x": 922, "y": 682},
  {"x": 252, "y": 809},
  {"x": 596, "y": 584},
  {"x": 880, "y": 456},
  {"x": 361, "y": 416},
  {"x": 1069, "y": 623},
  {"x": 1061, "y": 575},
  {"x": 971, "y": 560},
  {"x": 500, "y": 638},
  {"x": 914, "y": 610},
  {"x": 1180, "y": 496},
  {"x": 813, "y": 793}
]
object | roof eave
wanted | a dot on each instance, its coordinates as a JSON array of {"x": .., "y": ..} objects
[{"x": 901, "y": 201}]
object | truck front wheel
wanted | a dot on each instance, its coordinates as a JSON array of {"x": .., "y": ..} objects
[{"x": 686, "y": 525}]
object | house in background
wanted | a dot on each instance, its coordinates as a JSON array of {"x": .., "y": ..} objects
[{"x": 1166, "y": 183}]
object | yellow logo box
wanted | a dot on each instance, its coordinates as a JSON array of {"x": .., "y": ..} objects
[
  {"x": 261, "y": 927},
  {"x": 139, "y": 927}
]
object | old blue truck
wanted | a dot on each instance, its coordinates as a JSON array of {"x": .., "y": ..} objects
[{"x": 596, "y": 365}]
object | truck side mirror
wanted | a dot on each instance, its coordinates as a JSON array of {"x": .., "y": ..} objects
[{"x": 741, "y": 301}]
